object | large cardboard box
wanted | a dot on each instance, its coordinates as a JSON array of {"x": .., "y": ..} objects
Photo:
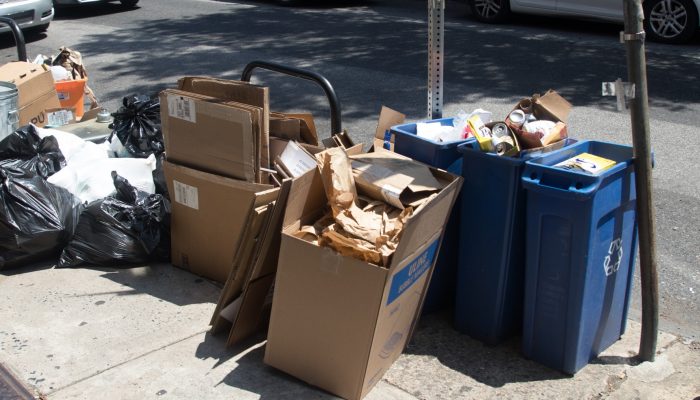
[
  {"x": 337, "y": 322},
  {"x": 210, "y": 214},
  {"x": 211, "y": 135},
  {"x": 37, "y": 92}
]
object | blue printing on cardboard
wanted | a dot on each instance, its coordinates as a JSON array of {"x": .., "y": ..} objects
[{"x": 405, "y": 278}]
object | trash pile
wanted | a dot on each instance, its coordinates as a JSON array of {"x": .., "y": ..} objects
[
  {"x": 341, "y": 248},
  {"x": 58, "y": 191}
]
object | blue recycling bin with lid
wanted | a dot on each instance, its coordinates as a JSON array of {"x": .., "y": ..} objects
[
  {"x": 441, "y": 292},
  {"x": 491, "y": 271},
  {"x": 581, "y": 244}
]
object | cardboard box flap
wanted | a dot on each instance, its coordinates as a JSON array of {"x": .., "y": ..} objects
[
  {"x": 298, "y": 209},
  {"x": 552, "y": 106},
  {"x": 386, "y": 176},
  {"x": 387, "y": 119},
  {"x": 433, "y": 218},
  {"x": 32, "y": 80},
  {"x": 383, "y": 139}
]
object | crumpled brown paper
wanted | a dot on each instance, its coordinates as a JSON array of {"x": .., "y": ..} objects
[{"x": 369, "y": 233}]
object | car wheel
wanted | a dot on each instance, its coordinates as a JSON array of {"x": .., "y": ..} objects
[
  {"x": 129, "y": 3},
  {"x": 670, "y": 21},
  {"x": 490, "y": 11}
]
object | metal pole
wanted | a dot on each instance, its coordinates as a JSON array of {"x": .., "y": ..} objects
[
  {"x": 436, "y": 45},
  {"x": 633, "y": 37},
  {"x": 19, "y": 38},
  {"x": 336, "y": 124}
]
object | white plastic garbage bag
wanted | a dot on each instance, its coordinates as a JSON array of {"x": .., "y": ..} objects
[{"x": 92, "y": 179}]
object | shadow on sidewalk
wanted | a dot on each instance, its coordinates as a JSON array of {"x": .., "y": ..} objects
[
  {"x": 254, "y": 376},
  {"x": 164, "y": 282},
  {"x": 494, "y": 366}
]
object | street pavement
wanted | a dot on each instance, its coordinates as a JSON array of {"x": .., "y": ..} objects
[{"x": 142, "y": 333}]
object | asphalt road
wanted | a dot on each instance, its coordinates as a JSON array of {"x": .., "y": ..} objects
[{"x": 375, "y": 53}]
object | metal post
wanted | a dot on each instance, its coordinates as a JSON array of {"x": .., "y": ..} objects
[
  {"x": 19, "y": 38},
  {"x": 633, "y": 37},
  {"x": 436, "y": 45}
]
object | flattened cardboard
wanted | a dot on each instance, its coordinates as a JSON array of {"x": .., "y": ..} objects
[
  {"x": 218, "y": 137},
  {"x": 209, "y": 215},
  {"x": 238, "y": 91},
  {"x": 36, "y": 90},
  {"x": 361, "y": 314},
  {"x": 242, "y": 264},
  {"x": 249, "y": 308},
  {"x": 383, "y": 139}
]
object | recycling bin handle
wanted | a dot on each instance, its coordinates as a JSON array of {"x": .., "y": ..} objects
[
  {"x": 19, "y": 37},
  {"x": 303, "y": 74},
  {"x": 533, "y": 181}
]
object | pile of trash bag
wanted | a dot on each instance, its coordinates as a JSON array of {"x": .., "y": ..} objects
[
  {"x": 63, "y": 196},
  {"x": 129, "y": 226}
]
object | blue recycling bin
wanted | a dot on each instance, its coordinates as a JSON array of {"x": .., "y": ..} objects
[
  {"x": 581, "y": 244},
  {"x": 490, "y": 275},
  {"x": 441, "y": 292}
]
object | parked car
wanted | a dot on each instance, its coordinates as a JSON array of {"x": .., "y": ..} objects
[
  {"x": 61, "y": 3},
  {"x": 668, "y": 21},
  {"x": 28, "y": 14}
]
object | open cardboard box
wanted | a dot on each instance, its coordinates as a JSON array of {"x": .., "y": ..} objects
[
  {"x": 37, "y": 92},
  {"x": 337, "y": 322}
]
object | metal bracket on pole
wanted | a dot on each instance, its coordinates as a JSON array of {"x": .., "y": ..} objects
[
  {"x": 624, "y": 91},
  {"x": 629, "y": 37},
  {"x": 436, "y": 45}
]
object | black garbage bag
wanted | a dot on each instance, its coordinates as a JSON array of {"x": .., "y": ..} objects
[
  {"x": 37, "y": 218},
  {"x": 130, "y": 226},
  {"x": 159, "y": 177},
  {"x": 137, "y": 125},
  {"x": 25, "y": 149}
]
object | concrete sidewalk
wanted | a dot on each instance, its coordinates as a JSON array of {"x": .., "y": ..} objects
[{"x": 141, "y": 333}]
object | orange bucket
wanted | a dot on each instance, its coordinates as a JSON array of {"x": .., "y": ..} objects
[{"x": 70, "y": 95}]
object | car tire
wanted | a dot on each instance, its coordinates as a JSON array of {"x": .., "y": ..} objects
[
  {"x": 670, "y": 21},
  {"x": 490, "y": 11},
  {"x": 129, "y": 3}
]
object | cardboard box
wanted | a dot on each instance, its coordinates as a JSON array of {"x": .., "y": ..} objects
[
  {"x": 36, "y": 89},
  {"x": 337, "y": 322},
  {"x": 210, "y": 214},
  {"x": 205, "y": 133}
]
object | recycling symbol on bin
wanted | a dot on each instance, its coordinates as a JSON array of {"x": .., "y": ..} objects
[{"x": 614, "y": 257}]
